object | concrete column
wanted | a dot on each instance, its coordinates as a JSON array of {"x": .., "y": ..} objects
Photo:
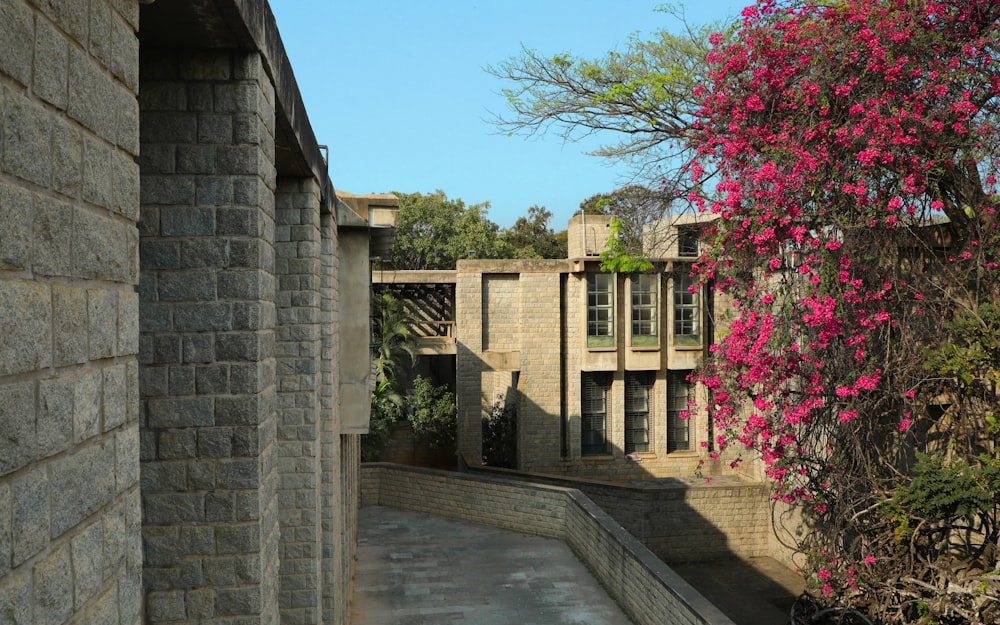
[
  {"x": 70, "y": 548},
  {"x": 207, "y": 378},
  {"x": 469, "y": 366}
]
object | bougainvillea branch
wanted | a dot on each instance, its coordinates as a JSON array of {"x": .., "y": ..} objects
[{"x": 856, "y": 146}]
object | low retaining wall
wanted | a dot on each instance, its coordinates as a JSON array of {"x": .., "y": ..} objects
[
  {"x": 680, "y": 520},
  {"x": 645, "y": 588}
]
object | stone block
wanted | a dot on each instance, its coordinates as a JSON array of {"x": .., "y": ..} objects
[
  {"x": 29, "y": 515},
  {"x": 201, "y": 476},
  {"x": 180, "y": 413},
  {"x": 203, "y": 316},
  {"x": 127, "y": 129},
  {"x": 174, "y": 508},
  {"x": 54, "y": 427},
  {"x": 154, "y": 318},
  {"x": 100, "y": 31},
  {"x": 237, "y": 601},
  {"x": 81, "y": 483},
  {"x": 17, "y": 32},
  {"x": 124, "y": 185},
  {"x": 16, "y": 218},
  {"x": 239, "y": 222},
  {"x": 242, "y": 538},
  {"x": 69, "y": 325},
  {"x": 189, "y": 286},
  {"x": 177, "y": 444},
  {"x": 125, "y": 53},
  {"x": 242, "y": 346},
  {"x": 115, "y": 541},
  {"x": 100, "y": 246},
  {"x": 181, "y": 380},
  {"x": 214, "y": 190},
  {"x": 239, "y": 474},
  {"x": 215, "y": 129},
  {"x": 212, "y": 379},
  {"x": 53, "y": 588},
  {"x": 102, "y": 323},
  {"x": 17, "y": 422},
  {"x": 126, "y": 457},
  {"x": 51, "y": 65},
  {"x": 171, "y": 191},
  {"x": 163, "y": 476},
  {"x": 215, "y": 442},
  {"x": 128, "y": 323},
  {"x": 237, "y": 410},
  {"x": 97, "y": 166},
  {"x": 27, "y": 134},
  {"x": 242, "y": 284},
  {"x": 6, "y": 540},
  {"x": 166, "y": 126},
  {"x": 25, "y": 315},
  {"x": 208, "y": 252},
  {"x": 200, "y": 604},
  {"x": 88, "y": 563},
  {"x": 15, "y": 598},
  {"x": 166, "y": 349},
  {"x": 165, "y": 606},
  {"x": 91, "y": 95},
  {"x": 195, "y": 159},
  {"x": 197, "y": 348},
  {"x": 53, "y": 238},
  {"x": 104, "y": 610},
  {"x": 86, "y": 405}
]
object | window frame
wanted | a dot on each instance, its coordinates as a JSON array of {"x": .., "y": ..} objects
[
  {"x": 595, "y": 308},
  {"x": 595, "y": 388},
  {"x": 638, "y": 406},
  {"x": 679, "y": 392},
  {"x": 686, "y": 309},
  {"x": 651, "y": 337},
  {"x": 688, "y": 245}
]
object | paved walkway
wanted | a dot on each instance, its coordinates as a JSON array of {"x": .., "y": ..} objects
[{"x": 420, "y": 569}]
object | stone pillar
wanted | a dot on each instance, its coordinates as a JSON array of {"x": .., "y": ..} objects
[
  {"x": 468, "y": 365},
  {"x": 70, "y": 548},
  {"x": 297, "y": 351},
  {"x": 207, "y": 376},
  {"x": 540, "y": 413}
]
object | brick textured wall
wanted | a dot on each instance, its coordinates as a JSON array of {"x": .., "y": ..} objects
[
  {"x": 646, "y": 589},
  {"x": 70, "y": 549},
  {"x": 207, "y": 380}
]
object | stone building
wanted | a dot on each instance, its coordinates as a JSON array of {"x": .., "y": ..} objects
[
  {"x": 595, "y": 364},
  {"x": 180, "y": 405}
]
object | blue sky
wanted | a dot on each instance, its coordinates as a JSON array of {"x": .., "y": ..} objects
[{"x": 398, "y": 91}]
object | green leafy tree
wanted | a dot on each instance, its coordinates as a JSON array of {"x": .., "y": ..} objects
[
  {"x": 531, "y": 236},
  {"x": 434, "y": 232},
  {"x": 392, "y": 350},
  {"x": 434, "y": 416}
]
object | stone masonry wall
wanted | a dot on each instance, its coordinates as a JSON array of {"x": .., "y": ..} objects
[
  {"x": 207, "y": 378},
  {"x": 469, "y": 366},
  {"x": 540, "y": 407},
  {"x": 70, "y": 548},
  {"x": 297, "y": 351}
]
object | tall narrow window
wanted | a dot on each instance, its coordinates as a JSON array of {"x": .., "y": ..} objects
[
  {"x": 679, "y": 392},
  {"x": 594, "y": 413},
  {"x": 637, "y": 388},
  {"x": 687, "y": 311},
  {"x": 644, "y": 298},
  {"x": 687, "y": 242},
  {"x": 600, "y": 310}
]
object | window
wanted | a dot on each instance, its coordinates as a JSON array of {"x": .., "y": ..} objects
[
  {"x": 679, "y": 392},
  {"x": 600, "y": 310},
  {"x": 637, "y": 388},
  {"x": 594, "y": 413},
  {"x": 687, "y": 312},
  {"x": 644, "y": 298},
  {"x": 687, "y": 242}
]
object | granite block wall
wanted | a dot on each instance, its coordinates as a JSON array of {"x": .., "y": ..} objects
[
  {"x": 207, "y": 338},
  {"x": 69, "y": 482}
]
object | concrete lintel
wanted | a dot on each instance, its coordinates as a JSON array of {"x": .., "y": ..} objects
[{"x": 415, "y": 276}]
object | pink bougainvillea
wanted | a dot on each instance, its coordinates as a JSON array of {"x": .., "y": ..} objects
[{"x": 855, "y": 147}]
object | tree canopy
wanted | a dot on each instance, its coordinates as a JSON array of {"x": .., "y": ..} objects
[{"x": 531, "y": 236}]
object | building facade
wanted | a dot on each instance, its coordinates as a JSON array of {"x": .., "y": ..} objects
[
  {"x": 597, "y": 364},
  {"x": 178, "y": 435}
]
